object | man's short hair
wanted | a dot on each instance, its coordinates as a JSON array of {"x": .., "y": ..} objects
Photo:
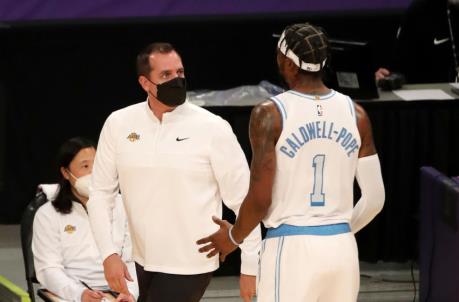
[{"x": 143, "y": 58}]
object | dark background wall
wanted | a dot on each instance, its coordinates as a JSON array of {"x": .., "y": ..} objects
[{"x": 62, "y": 79}]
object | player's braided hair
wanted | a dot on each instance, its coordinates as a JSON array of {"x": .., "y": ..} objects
[{"x": 308, "y": 42}]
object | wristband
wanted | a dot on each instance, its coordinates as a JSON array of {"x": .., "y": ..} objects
[{"x": 231, "y": 237}]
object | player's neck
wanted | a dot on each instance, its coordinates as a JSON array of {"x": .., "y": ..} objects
[{"x": 310, "y": 85}]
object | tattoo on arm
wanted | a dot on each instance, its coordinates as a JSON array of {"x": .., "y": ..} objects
[{"x": 264, "y": 131}]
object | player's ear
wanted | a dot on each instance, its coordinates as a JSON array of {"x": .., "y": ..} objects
[
  {"x": 290, "y": 64},
  {"x": 291, "y": 67}
]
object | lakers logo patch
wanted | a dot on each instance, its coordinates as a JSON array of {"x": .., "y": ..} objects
[
  {"x": 133, "y": 137},
  {"x": 69, "y": 229}
]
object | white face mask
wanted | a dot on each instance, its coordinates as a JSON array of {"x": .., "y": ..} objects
[{"x": 82, "y": 184}]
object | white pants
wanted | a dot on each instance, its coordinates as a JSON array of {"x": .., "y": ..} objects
[{"x": 309, "y": 268}]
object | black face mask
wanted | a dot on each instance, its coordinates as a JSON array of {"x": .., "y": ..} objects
[{"x": 172, "y": 93}]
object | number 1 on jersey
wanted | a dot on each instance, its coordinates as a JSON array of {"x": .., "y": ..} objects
[{"x": 317, "y": 195}]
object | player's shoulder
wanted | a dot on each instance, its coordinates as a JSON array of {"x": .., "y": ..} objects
[
  {"x": 337, "y": 94},
  {"x": 346, "y": 101},
  {"x": 359, "y": 110},
  {"x": 295, "y": 95},
  {"x": 265, "y": 107},
  {"x": 363, "y": 120},
  {"x": 267, "y": 115}
]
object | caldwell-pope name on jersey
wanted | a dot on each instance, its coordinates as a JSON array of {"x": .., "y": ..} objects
[{"x": 319, "y": 130}]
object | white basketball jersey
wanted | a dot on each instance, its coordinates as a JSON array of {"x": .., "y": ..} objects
[{"x": 316, "y": 155}]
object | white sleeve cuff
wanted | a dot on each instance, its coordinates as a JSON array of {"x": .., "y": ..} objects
[
  {"x": 250, "y": 250},
  {"x": 249, "y": 264}
]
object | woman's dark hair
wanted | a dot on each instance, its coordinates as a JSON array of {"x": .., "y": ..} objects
[{"x": 67, "y": 152}]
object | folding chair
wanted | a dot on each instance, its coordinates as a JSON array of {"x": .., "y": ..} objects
[{"x": 26, "y": 243}]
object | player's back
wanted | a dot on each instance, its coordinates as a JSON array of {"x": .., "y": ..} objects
[{"x": 316, "y": 156}]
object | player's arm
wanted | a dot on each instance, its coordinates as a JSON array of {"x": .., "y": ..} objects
[
  {"x": 368, "y": 176},
  {"x": 264, "y": 130},
  {"x": 367, "y": 147}
]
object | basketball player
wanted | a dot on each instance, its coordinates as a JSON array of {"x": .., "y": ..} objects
[{"x": 308, "y": 145}]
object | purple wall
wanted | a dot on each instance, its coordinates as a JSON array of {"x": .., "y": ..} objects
[{"x": 24, "y": 10}]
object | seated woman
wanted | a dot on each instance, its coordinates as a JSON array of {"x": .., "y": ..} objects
[{"x": 65, "y": 253}]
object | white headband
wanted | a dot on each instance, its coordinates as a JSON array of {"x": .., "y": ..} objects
[{"x": 282, "y": 44}]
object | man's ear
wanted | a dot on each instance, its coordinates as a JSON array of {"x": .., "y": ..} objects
[{"x": 143, "y": 81}]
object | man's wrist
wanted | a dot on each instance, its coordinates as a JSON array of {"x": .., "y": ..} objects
[
  {"x": 108, "y": 254},
  {"x": 111, "y": 256},
  {"x": 232, "y": 239}
]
